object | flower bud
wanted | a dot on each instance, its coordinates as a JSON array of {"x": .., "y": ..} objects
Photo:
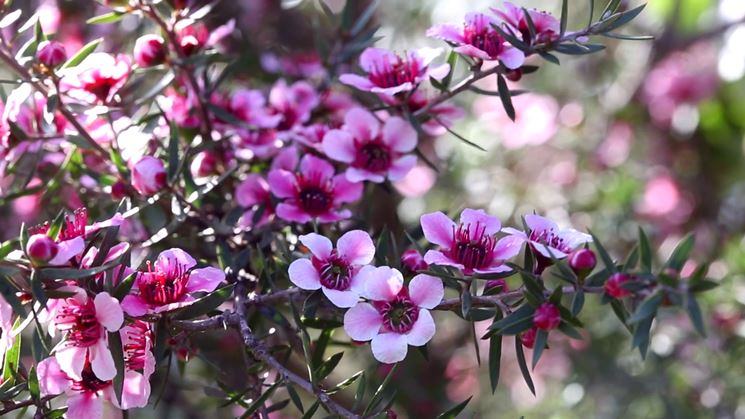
[
  {"x": 204, "y": 164},
  {"x": 118, "y": 190},
  {"x": 546, "y": 317},
  {"x": 51, "y": 53},
  {"x": 149, "y": 50},
  {"x": 41, "y": 249},
  {"x": 148, "y": 175},
  {"x": 514, "y": 75},
  {"x": 613, "y": 285},
  {"x": 495, "y": 286},
  {"x": 413, "y": 261},
  {"x": 527, "y": 338},
  {"x": 582, "y": 261}
]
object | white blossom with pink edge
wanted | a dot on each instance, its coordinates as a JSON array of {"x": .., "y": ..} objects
[
  {"x": 372, "y": 153},
  {"x": 334, "y": 271},
  {"x": 169, "y": 283},
  {"x": 395, "y": 316},
  {"x": 548, "y": 239}
]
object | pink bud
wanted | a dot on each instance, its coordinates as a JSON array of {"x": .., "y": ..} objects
[
  {"x": 527, "y": 338},
  {"x": 118, "y": 190},
  {"x": 149, "y": 50},
  {"x": 51, "y": 53},
  {"x": 204, "y": 164},
  {"x": 41, "y": 248},
  {"x": 613, "y": 285},
  {"x": 546, "y": 317},
  {"x": 494, "y": 286},
  {"x": 413, "y": 261},
  {"x": 148, "y": 175},
  {"x": 582, "y": 261}
]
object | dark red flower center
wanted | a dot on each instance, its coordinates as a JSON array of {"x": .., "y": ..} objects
[
  {"x": 89, "y": 382},
  {"x": 392, "y": 74},
  {"x": 160, "y": 288},
  {"x": 373, "y": 156},
  {"x": 473, "y": 247},
  {"x": 549, "y": 238},
  {"x": 135, "y": 345},
  {"x": 481, "y": 36},
  {"x": 399, "y": 314},
  {"x": 79, "y": 322},
  {"x": 315, "y": 194},
  {"x": 335, "y": 273}
]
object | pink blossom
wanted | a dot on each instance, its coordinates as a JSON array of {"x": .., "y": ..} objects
[
  {"x": 313, "y": 192},
  {"x": 51, "y": 53},
  {"x": 116, "y": 251},
  {"x": 149, "y": 50},
  {"x": 180, "y": 109},
  {"x": 139, "y": 363},
  {"x": 85, "y": 321},
  {"x": 256, "y": 144},
  {"x": 547, "y": 317},
  {"x": 372, "y": 153},
  {"x": 470, "y": 246},
  {"x": 41, "y": 248},
  {"x": 395, "y": 316},
  {"x": 148, "y": 175},
  {"x": 250, "y": 106},
  {"x": 293, "y": 102},
  {"x": 300, "y": 64},
  {"x": 477, "y": 38},
  {"x": 7, "y": 337},
  {"x": 547, "y": 27},
  {"x": 98, "y": 78},
  {"x": 311, "y": 135},
  {"x": 169, "y": 284},
  {"x": 536, "y": 121},
  {"x": 420, "y": 179},
  {"x": 253, "y": 194},
  {"x": 412, "y": 260},
  {"x": 441, "y": 116},
  {"x": 193, "y": 37},
  {"x": 389, "y": 73},
  {"x": 334, "y": 271},
  {"x": 546, "y": 238}
]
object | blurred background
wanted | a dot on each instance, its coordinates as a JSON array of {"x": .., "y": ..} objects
[{"x": 648, "y": 133}]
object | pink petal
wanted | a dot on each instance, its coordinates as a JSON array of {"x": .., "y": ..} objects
[
  {"x": 334, "y": 216},
  {"x": 538, "y": 223},
  {"x": 282, "y": 183},
  {"x": 134, "y": 306},
  {"x": 512, "y": 58},
  {"x": 381, "y": 284},
  {"x": 293, "y": 213},
  {"x": 439, "y": 72},
  {"x": 356, "y": 81},
  {"x": 426, "y": 290},
  {"x": 108, "y": 311},
  {"x": 312, "y": 165},
  {"x": 391, "y": 91},
  {"x": 52, "y": 380},
  {"x": 356, "y": 247},
  {"x": 286, "y": 159},
  {"x": 341, "y": 299},
  {"x": 438, "y": 228},
  {"x": 471, "y": 51},
  {"x": 339, "y": 145},
  {"x": 515, "y": 232},
  {"x": 205, "y": 279},
  {"x": 362, "y": 322},
  {"x": 253, "y": 190},
  {"x": 496, "y": 267},
  {"x": 508, "y": 247},
  {"x": 358, "y": 175},
  {"x": 361, "y": 124},
  {"x": 434, "y": 257},
  {"x": 573, "y": 238},
  {"x": 304, "y": 275},
  {"x": 401, "y": 167},
  {"x": 71, "y": 360},
  {"x": 372, "y": 58},
  {"x": 346, "y": 191},
  {"x": 423, "y": 329},
  {"x": 389, "y": 348},
  {"x": 548, "y": 251},
  {"x": 136, "y": 391},
  {"x": 319, "y": 245},
  {"x": 426, "y": 55},
  {"x": 480, "y": 217},
  {"x": 84, "y": 405},
  {"x": 102, "y": 362},
  {"x": 399, "y": 134},
  {"x": 446, "y": 32},
  {"x": 68, "y": 249},
  {"x": 175, "y": 258}
]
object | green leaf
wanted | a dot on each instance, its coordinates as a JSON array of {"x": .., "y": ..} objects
[
  {"x": 73, "y": 273},
  {"x": 465, "y": 301},
  {"x": 115, "y": 345},
  {"x": 607, "y": 260},
  {"x": 694, "y": 312},
  {"x": 327, "y": 367},
  {"x": 377, "y": 397},
  {"x": 7, "y": 247},
  {"x": 549, "y": 57},
  {"x": 505, "y": 97},
  {"x": 681, "y": 253},
  {"x": 205, "y": 304},
  {"x": 84, "y": 52},
  {"x": 364, "y": 18},
  {"x": 564, "y": 17},
  {"x": 578, "y": 49},
  {"x": 578, "y": 302},
  {"x": 320, "y": 348},
  {"x": 648, "y": 308},
  {"x": 523, "y": 365},
  {"x": 495, "y": 360},
  {"x": 260, "y": 400},
  {"x": 641, "y": 336},
  {"x": 617, "y": 20},
  {"x": 610, "y": 8},
  {"x": 37, "y": 288},
  {"x": 12, "y": 357},
  {"x": 312, "y": 411},
  {"x": 541, "y": 339},
  {"x": 106, "y": 18},
  {"x": 123, "y": 288},
  {"x": 33, "y": 384},
  {"x": 295, "y": 397},
  {"x": 346, "y": 383},
  {"x": 453, "y": 412},
  {"x": 524, "y": 312},
  {"x": 620, "y": 310}
]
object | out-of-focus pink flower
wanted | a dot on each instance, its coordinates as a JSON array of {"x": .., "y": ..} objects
[
  {"x": 7, "y": 337},
  {"x": 546, "y": 317},
  {"x": 116, "y": 251},
  {"x": 614, "y": 288},
  {"x": 51, "y": 53},
  {"x": 389, "y": 73},
  {"x": 250, "y": 106},
  {"x": 256, "y": 144},
  {"x": 85, "y": 321},
  {"x": 180, "y": 109},
  {"x": 441, "y": 116},
  {"x": 49, "y": 16},
  {"x": 313, "y": 192},
  {"x": 293, "y": 102},
  {"x": 149, "y": 50},
  {"x": 334, "y": 271},
  {"x": 547, "y": 27},
  {"x": 477, "y": 38},
  {"x": 396, "y": 316},
  {"x": 301, "y": 64},
  {"x": 149, "y": 175},
  {"x": 662, "y": 197},
  {"x": 470, "y": 246},
  {"x": 41, "y": 248},
  {"x": 98, "y": 78},
  {"x": 615, "y": 149},
  {"x": 204, "y": 164},
  {"x": 253, "y": 194},
  {"x": 193, "y": 37},
  {"x": 372, "y": 153},
  {"x": 311, "y": 135},
  {"x": 169, "y": 283},
  {"x": 546, "y": 238},
  {"x": 535, "y": 121},
  {"x": 420, "y": 179},
  {"x": 412, "y": 260}
]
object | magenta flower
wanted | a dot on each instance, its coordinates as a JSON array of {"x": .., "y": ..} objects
[
  {"x": 256, "y": 144},
  {"x": 546, "y": 238},
  {"x": 149, "y": 50},
  {"x": 470, "y": 246},
  {"x": 389, "y": 73},
  {"x": 251, "y": 193},
  {"x": 85, "y": 321},
  {"x": 98, "y": 78},
  {"x": 477, "y": 38},
  {"x": 139, "y": 363},
  {"x": 371, "y": 152},
  {"x": 395, "y": 316},
  {"x": 250, "y": 106},
  {"x": 293, "y": 103},
  {"x": 334, "y": 271},
  {"x": 116, "y": 251},
  {"x": 168, "y": 284},
  {"x": 51, "y": 53},
  {"x": 313, "y": 192},
  {"x": 547, "y": 27}
]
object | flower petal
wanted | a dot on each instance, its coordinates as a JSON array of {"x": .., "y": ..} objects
[
  {"x": 282, "y": 183},
  {"x": 361, "y": 124},
  {"x": 508, "y": 247},
  {"x": 538, "y": 223},
  {"x": 108, "y": 311},
  {"x": 85, "y": 405},
  {"x": 381, "y": 284},
  {"x": 423, "y": 329},
  {"x": 304, "y": 275},
  {"x": 358, "y": 175},
  {"x": 339, "y": 145},
  {"x": 356, "y": 247},
  {"x": 426, "y": 290},
  {"x": 362, "y": 322},
  {"x": 102, "y": 362},
  {"x": 389, "y": 348},
  {"x": 71, "y": 360},
  {"x": 446, "y": 32},
  {"x": 434, "y": 257},
  {"x": 341, "y": 298},
  {"x": 292, "y": 213},
  {"x": 401, "y": 167},
  {"x": 399, "y": 134},
  {"x": 134, "y": 306},
  {"x": 52, "y": 380},
  {"x": 319, "y": 245},
  {"x": 172, "y": 259},
  {"x": 68, "y": 249},
  {"x": 512, "y": 58},
  {"x": 205, "y": 279},
  {"x": 473, "y": 217},
  {"x": 438, "y": 228},
  {"x": 357, "y": 81},
  {"x": 346, "y": 191}
]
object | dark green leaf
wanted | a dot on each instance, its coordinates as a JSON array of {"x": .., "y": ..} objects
[
  {"x": 364, "y": 18},
  {"x": 578, "y": 302},
  {"x": 694, "y": 312},
  {"x": 312, "y": 411},
  {"x": 648, "y": 308},
  {"x": 505, "y": 97},
  {"x": 453, "y": 412},
  {"x": 117, "y": 352},
  {"x": 541, "y": 339},
  {"x": 327, "y": 367},
  {"x": 295, "y": 397},
  {"x": 123, "y": 288},
  {"x": 377, "y": 397},
  {"x": 564, "y": 17},
  {"x": 681, "y": 253},
  {"x": 84, "y": 52},
  {"x": 346, "y": 383},
  {"x": 641, "y": 335},
  {"x": 523, "y": 365},
  {"x": 259, "y": 402},
  {"x": 205, "y": 304},
  {"x": 495, "y": 360},
  {"x": 607, "y": 260}
]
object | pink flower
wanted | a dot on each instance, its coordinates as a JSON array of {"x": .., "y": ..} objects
[
  {"x": 395, "y": 316},
  {"x": 536, "y": 121},
  {"x": 293, "y": 103},
  {"x": 546, "y": 317},
  {"x": 334, "y": 271},
  {"x": 614, "y": 288},
  {"x": 250, "y": 106},
  {"x": 41, "y": 249},
  {"x": 546, "y": 238},
  {"x": 149, "y": 175},
  {"x": 196, "y": 36},
  {"x": 371, "y": 152},
  {"x": 85, "y": 321},
  {"x": 7, "y": 338},
  {"x": 313, "y": 192},
  {"x": 149, "y": 50},
  {"x": 441, "y": 116},
  {"x": 168, "y": 284},
  {"x": 389, "y": 73},
  {"x": 472, "y": 245},
  {"x": 547, "y": 27},
  {"x": 51, "y": 53},
  {"x": 98, "y": 78},
  {"x": 256, "y": 144},
  {"x": 139, "y": 363},
  {"x": 477, "y": 38},
  {"x": 412, "y": 260},
  {"x": 253, "y": 193},
  {"x": 116, "y": 251}
]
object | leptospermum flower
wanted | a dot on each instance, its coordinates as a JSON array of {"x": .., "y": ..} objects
[
  {"x": 372, "y": 153},
  {"x": 334, "y": 271},
  {"x": 294, "y": 103},
  {"x": 6, "y": 326},
  {"x": 169, "y": 283},
  {"x": 389, "y": 73},
  {"x": 470, "y": 246},
  {"x": 395, "y": 316},
  {"x": 477, "y": 38},
  {"x": 546, "y": 238},
  {"x": 98, "y": 78},
  {"x": 254, "y": 195},
  {"x": 85, "y": 321},
  {"x": 314, "y": 192},
  {"x": 546, "y": 27}
]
